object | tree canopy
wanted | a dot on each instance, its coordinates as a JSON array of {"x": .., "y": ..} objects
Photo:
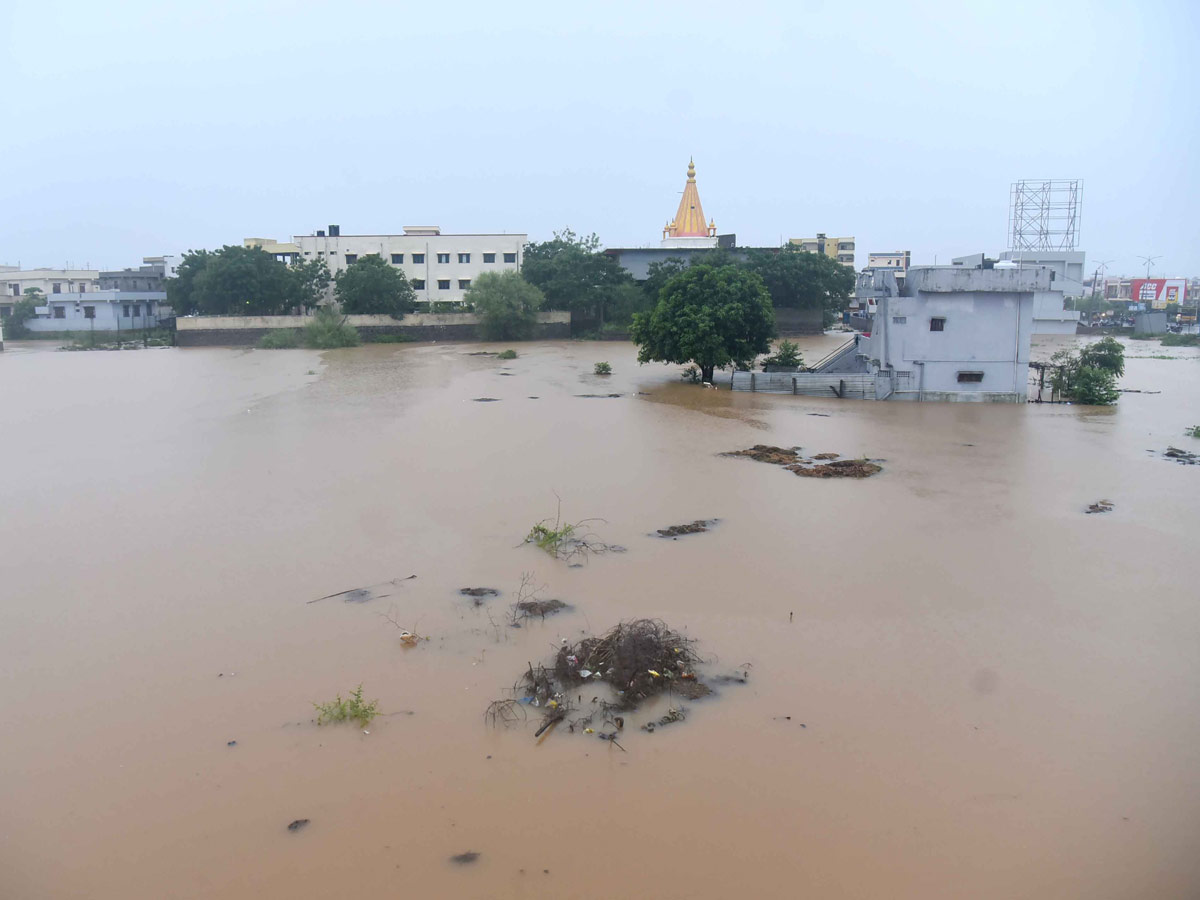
[
  {"x": 371, "y": 286},
  {"x": 507, "y": 305},
  {"x": 573, "y": 273},
  {"x": 710, "y": 316},
  {"x": 797, "y": 279},
  {"x": 240, "y": 281}
]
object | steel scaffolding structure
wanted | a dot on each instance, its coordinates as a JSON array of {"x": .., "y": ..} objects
[{"x": 1043, "y": 214}]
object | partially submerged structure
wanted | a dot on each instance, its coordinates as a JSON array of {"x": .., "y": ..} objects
[{"x": 953, "y": 333}]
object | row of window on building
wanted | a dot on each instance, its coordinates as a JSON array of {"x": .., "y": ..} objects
[
  {"x": 443, "y": 284},
  {"x": 442, "y": 258},
  {"x": 14, "y": 290}
]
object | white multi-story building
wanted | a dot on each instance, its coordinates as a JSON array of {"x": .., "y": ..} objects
[
  {"x": 51, "y": 282},
  {"x": 441, "y": 267}
]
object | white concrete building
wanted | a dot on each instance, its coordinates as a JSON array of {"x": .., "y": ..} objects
[
  {"x": 441, "y": 267},
  {"x": 99, "y": 311},
  {"x": 14, "y": 281},
  {"x": 953, "y": 333},
  {"x": 1053, "y": 309}
]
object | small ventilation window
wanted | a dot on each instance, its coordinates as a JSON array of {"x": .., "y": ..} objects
[
  {"x": 937, "y": 323},
  {"x": 899, "y": 320},
  {"x": 970, "y": 377}
]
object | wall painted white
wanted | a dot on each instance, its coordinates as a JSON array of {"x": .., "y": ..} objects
[
  {"x": 446, "y": 263},
  {"x": 986, "y": 328}
]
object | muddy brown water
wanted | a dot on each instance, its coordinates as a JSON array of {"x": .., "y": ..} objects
[{"x": 992, "y": 694}]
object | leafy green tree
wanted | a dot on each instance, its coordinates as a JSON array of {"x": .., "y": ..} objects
[
  {"x": 22, "y": 311},
  {"x": 1106, "y": 354},
  {"x": 181, "y": 288},
  {"x": 1089, "y": 377},
  {"x": 311, "y": 279},
  {"x": 797, "y": 279},
  {"x": 624, "y": 302},
  {"x": 573, "y": 273},
  {"x": 238, "y": 281},
  {"x": 707, "y": 316},
  {"x": 507, "y": 305},
  {"x": 371, "y": 286},
  {"x": 786, "y": 357},
  {"x": 659, "y": 273}
]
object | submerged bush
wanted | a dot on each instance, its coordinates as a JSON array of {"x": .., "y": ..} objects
[
  {"x": 507, "y": 354},
  {"x": 280, "y": 339},
  {"x": 328, "y": 330},
  {"x": 353, "y": 709},
  {"x": 603, "y": 368}
]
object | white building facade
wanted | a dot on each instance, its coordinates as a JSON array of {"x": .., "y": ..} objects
[
  {"x": 440, "y": 267},
  {"x": 14, "y": 281},
  {"x": 99, "y": 311},
  {"x": 954, "y": 333}
]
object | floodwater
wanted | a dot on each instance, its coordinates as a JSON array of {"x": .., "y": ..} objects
[{"x": 991, "y": 694}]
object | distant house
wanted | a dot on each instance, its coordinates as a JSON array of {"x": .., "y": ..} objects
[{"x": 99, "y": 311}]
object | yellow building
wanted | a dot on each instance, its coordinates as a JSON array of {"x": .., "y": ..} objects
[{"x": 839, "y": 248}]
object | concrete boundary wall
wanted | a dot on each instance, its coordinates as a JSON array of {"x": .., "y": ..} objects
[{"x": 241, "y": 331}]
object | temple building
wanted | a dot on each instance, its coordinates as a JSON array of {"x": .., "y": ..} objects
[{"x": 688, "y": 228}]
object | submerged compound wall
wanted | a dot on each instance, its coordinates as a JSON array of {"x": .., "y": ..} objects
[{"x": 241, "y": 331}]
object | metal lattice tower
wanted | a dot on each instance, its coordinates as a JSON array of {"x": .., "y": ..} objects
[{"x": 1043, "y": 214}]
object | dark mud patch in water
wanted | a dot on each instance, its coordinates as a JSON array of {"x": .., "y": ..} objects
[
  {"x": 698, "y": 527},
  {"x": 823, "y": 465}
]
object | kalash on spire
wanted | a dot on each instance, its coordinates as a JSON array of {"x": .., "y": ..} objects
[{"x": 688, "y": 229}]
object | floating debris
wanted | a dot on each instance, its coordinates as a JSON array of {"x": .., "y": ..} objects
[
  {"x": 527, "y": 609},
  {"x": 697, "y": 527},
  {"x": 1100, "y": 506},
  {"x": 362, "y": 595},
  {"x": 790, "y": 459},
  {"x": 463, "y": 859},
  {"x": 1183, "y": 457},
  {"x": 486, "y": 400},
  {"x": 599, "y": 396},
  {"x": 297, "y": 824},
  {"x": 479, "y": 592}
]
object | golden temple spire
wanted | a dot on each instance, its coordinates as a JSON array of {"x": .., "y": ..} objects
[{"x": 689, "y": 221}]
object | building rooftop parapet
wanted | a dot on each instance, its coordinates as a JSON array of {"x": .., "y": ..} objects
[{"x": 951, "y": 279}]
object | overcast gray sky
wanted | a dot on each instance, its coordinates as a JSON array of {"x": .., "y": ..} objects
[{"x": 137, "y": 128}]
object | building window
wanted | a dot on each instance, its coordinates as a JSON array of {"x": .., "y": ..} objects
[
  {"x": 489, "y": 257},
  {"x": 418, "y": 284},
  {"x": 899, "y": 320},
  {"x": 443, "y": 257},
  {"x": 937, "y": 323},
  {"x": 397, "y": 259},
  {"x": 5, "y": 312},
  {"x": 60, "y": 312},
  {"x": 83, "y": 289},
  {"x": 443, "y": 284},
  {"x": 89, "y": 312},
  {"x": 16, "y": 289},
  {"x": 57, "y": 288},
  {"x": 510, "y": 257},
  {"x": 137, "y": 310},
  {"x": 464, "y": 257},
  {"x": 418, "y": 258},
  {"x": 351, "y": 258},
  {"x": 464, "y": 284},
  {"x": 970, "y": 377},
  {"x": 125, "y": 310}
]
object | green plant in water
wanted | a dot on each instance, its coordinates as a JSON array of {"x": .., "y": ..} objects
[
  {"x": 280, "y": 339},
  {"x": 603, "y": 368},
  {"x": 550, "y": 537},
  {"x": 351, "y": 709},
  {"x": 507, "y": 354},
  {"x": 1194, "y": 431},
  {"x": 328, "y": 329},
  {"x": 1181, "y": 340},
  {"x": 787, "y": 355}
]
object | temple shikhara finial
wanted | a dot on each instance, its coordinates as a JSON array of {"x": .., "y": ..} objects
[{"x": 689, "y": 221}]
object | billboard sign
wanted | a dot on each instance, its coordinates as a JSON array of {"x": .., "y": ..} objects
[{"x": 1156, "y": 293}]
